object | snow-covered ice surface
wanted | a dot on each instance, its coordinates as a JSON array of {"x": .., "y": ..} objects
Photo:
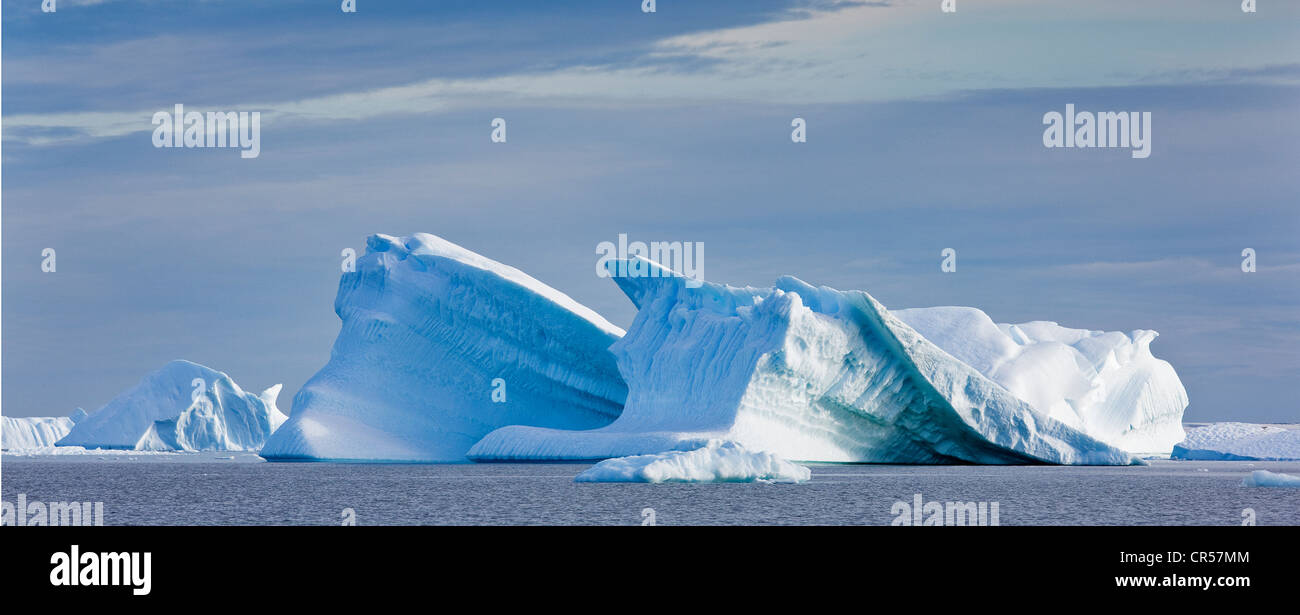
[
  {"x": 1106, "y": 384},
  {"x": 806, "y": 373},
  {"x": 428, "y": 328},
  {"x": 1264, "y": 478},
  {"x": 36, "y": 432},
  {"x": 183, "y": 406},
  {"x": 1240, "y": 442},
  {"x": 714, "y": 462}
]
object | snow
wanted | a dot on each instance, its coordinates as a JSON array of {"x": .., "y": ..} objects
[
  {"x": 1264, "y": 478},
  {"x": 1240, "y": 441},
  {"x": 36, "y": 432},
  {"x": 1106, "y": 384},
  {"x": 431, "y": 331},
  {"x": 182, "y": 406},
  {"x": 805, "y": 373},
  {"x": 716, "y": 461}
]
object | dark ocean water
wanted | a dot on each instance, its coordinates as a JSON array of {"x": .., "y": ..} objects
[{"x": 206, "y": 489}]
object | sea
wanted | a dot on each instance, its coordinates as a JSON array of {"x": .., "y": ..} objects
[{"x": 243, "y": 489}]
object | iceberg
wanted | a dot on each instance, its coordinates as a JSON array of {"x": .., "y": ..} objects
[
  {"x": 714, "y": 462},
  {"x": 438, "y": 347},
  {"x": 1106, "y": 384},
  {"x": 806, "y": 373},
  {"x": 35, "y": 432},
  {"x": 1240, "y": 442},
  {"x": 1264, "y": 478},
  {"x": 182, "y": 406}
]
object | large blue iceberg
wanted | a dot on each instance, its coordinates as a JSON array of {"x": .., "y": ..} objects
[
  {"x": 807, "y": 373},
  {"x": 440, "y": 346}
]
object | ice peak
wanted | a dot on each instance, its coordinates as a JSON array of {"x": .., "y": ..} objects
[
  {"x": 641, "y": 278},
  {"x": 271, "y": 394},
  {"x": 427, "y": 250}
]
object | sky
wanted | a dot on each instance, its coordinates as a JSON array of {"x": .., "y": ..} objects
[{"x": 924, "y": 132}]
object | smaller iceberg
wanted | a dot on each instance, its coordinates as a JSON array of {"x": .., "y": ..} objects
[
  {"x": 201, "y": 427},
  {"x": 1240, "y": 442},
  {"x": 717, "y": 461},
  {"x": 1264, "y": 478},
  {"x": 36, "y": 432},
  {"x": 183, "y": 406}
]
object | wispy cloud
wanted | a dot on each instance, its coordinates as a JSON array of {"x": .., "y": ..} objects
[
  {"x": 1172, "y": 269},
  {"x": 814, "y": 53}
]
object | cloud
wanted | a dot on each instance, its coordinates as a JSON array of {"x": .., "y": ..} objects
[
  {"x": 821, "y": 52},
  {"x": 1179, "y": 268}
]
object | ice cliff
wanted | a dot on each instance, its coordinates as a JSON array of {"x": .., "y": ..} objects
[{"x": 33, "y": 432}]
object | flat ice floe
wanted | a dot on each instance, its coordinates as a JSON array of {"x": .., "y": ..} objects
[
  {"x": 806, "y": 373},
  {"x": 1240, "y": 442},
  {"x": 182, "y": 406},
  {"x": 1264, "y": 478},
  {"x": 439, "y": 346},
  {"x": 713, "y": 462}
]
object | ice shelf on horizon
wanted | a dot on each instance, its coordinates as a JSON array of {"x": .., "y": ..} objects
[
  {"x": 1240, "y": 442},
  {"x": 35, "y": 432}
]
